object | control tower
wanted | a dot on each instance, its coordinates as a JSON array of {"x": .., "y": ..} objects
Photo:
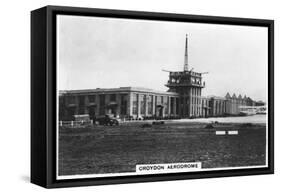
[{"x": 188, "y": 84}]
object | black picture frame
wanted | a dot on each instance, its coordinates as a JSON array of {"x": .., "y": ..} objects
[{"x": 43, "y": 95}]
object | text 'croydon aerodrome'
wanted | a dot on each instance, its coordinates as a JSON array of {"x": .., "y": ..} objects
[{"x": 174, "y": 167}]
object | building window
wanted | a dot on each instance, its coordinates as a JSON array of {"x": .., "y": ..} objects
[
  {"x": 172, "y": 105},
  {"x": 70, "y": 113},
  {"x": 92, "y": 111},
  {"x": 149, "y": 104},
  {"x": 142, "y": 102},
  {"x": 92, "y": 98},
  {"x": 135, "y": 104},
  {"x": 155, "y": 104},
  {"x": 102, "y": 104},
  {"x": 81, "y": 107},
  {"x": 158, "y": 100},
  {"x": 71, "y": 100},
  {"x": 135, "y": 108},
  {"x": 187, "y": 100},
  {"x": 112, "y": 97},
  {"x": 177, "y": 106},
  {"x": 166, "y": 104},
  {"x": 123, "y": 104},
  {"x": 192, "y": 80}
]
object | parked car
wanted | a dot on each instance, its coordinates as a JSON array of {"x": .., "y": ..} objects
[{"x": 108, "y": 119}]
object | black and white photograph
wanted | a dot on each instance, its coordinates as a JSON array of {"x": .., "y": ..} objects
[{"x": 139, "y": 97}]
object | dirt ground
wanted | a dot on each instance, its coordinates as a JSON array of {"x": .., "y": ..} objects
[{"x": 115, "y": 149}]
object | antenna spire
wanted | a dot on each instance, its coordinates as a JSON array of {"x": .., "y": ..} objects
[{"x": 186, "y": 54}]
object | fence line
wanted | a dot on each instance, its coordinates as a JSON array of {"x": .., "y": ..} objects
[{"x": 75, "y": 123}]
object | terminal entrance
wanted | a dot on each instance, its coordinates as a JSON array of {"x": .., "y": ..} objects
[{"x": 160, "y": 111}]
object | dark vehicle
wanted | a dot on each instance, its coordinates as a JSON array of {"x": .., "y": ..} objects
[{"x": 107, "y": 120}]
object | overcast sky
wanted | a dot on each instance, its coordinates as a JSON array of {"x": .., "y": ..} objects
[{"x": 107, "y": 53}]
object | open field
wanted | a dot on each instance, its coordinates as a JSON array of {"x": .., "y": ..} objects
[{"x": 115, "y": 149}]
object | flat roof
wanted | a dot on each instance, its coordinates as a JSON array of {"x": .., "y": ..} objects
[{"x": 121, "y": 89}]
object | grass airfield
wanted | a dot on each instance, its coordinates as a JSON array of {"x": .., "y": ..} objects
[{"x": 118, "y": 149}]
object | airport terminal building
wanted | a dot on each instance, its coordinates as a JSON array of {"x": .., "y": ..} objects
[
  {"x": 125, "y": 102},
  {"x": 182, "y": 100}
]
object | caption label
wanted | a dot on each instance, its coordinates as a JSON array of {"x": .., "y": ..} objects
[{"x": 167, "y": 168}]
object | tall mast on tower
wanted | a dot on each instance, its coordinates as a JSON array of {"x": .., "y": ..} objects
[{"x": 186, "y": 55}]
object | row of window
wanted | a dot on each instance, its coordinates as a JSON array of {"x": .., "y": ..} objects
[
  {"x": 91, "y": 98},
  {"x": 185, "y": 79},
  {"x": 146, "y": 103},
  {"x": 147, "y": 100},
  {"x": 218, "y": 107}
]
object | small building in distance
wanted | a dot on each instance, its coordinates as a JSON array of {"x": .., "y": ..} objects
[{"x": 182, "y": 100}]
